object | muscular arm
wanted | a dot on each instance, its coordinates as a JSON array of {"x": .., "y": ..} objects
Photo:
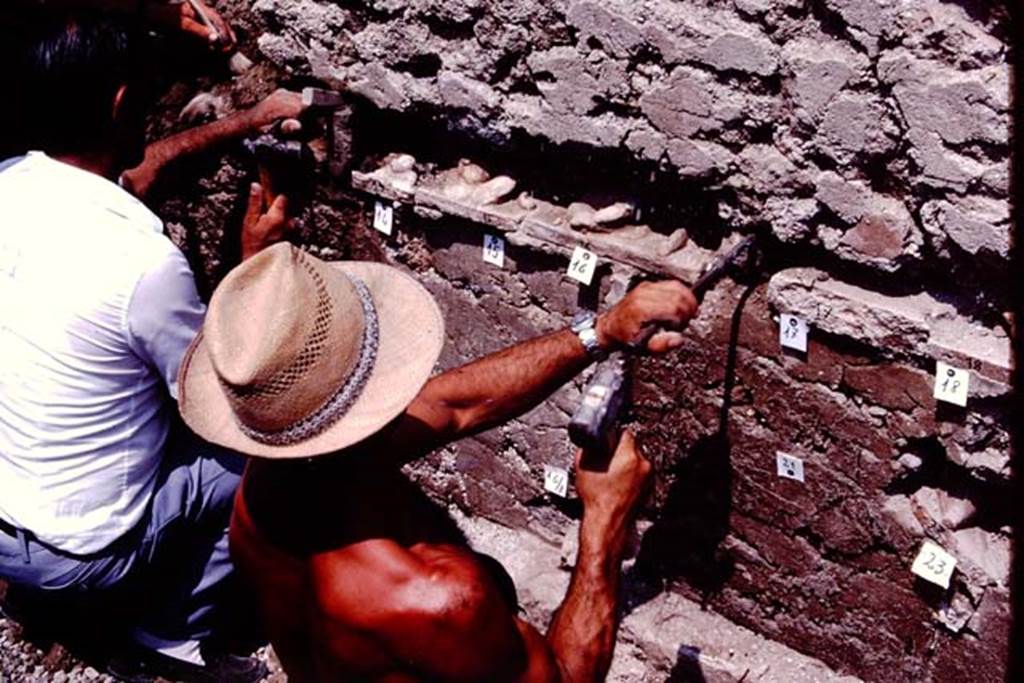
[
  {"x": 281, "y": 105},
  {"x": 500, "y": 386},
  {"x": 506, "y": 384},
  {"x": 582, "y": 633}
]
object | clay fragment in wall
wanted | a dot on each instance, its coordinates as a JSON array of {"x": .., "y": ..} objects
[
  {"x": 398, "y": 170},
  {"x": 583, "y": 215},
  {"x": 471, "y": 184}
]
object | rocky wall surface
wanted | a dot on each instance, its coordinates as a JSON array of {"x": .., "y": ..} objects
[{"x": 868, "y": 140}]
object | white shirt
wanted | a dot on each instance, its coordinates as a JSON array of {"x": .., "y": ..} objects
[{"x": 97, "y": 308}]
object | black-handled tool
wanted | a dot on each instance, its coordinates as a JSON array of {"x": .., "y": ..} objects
[{"x": 593, "y": 426}]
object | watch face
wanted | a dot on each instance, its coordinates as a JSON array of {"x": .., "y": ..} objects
[{"x": 583, "y": 320}]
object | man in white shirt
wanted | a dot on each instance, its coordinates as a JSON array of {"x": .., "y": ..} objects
[{"x": 102, "y": 492}]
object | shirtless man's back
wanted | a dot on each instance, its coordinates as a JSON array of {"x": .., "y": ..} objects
[{"x": 360, "y": 577}]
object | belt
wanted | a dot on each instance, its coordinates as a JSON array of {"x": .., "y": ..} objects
[
  {"x": 8, "y": 529},
  {"x": 20, "y": 535}
]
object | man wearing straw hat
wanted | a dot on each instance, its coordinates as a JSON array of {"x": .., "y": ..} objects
[{"x": 322, "y": 372}]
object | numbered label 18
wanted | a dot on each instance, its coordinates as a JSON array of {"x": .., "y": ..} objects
[
  {"x": 556, "y": 481},
  {"x": 582, "y": 266},
  {"x": 934, "y": 564},
  {"x": 951, "y": 384},
  {"x": 494, "y": 250},
  {"x": 383, "y": 217}
]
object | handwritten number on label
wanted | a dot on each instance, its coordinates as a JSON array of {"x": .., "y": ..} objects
[
  {"x": 951, "y": 384},
  {"x": 789, "y": 466},
  {"x": 494, "y": 250},
  {"x": 934, "y": 564},
  {"x": 582, "y": 265},
  {"x": 383, "y": 217},
  {"x": 793, "y": 332},
  {"x": 556, "y": 481}
]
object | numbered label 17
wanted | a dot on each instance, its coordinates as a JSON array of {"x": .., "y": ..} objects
[{"x": 793, "y": 332}]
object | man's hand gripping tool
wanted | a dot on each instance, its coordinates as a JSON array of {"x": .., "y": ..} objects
[{"x": 594, "y": 426}]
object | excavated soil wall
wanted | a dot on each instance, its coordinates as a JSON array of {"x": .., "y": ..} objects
[{"x": 868, "y": 140}]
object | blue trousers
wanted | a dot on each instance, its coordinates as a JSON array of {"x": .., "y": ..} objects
[{"x": 172, "y": 573}]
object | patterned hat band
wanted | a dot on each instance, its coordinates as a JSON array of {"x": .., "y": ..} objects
[{"x": 341, "y": 402}]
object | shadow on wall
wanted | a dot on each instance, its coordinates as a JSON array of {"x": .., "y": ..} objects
[
  {"x": 687, "y": 668},
  {"x": 686, "y": 538}
]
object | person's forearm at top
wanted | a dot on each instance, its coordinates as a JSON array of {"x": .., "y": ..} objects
[{"x": 280, "y": 105}]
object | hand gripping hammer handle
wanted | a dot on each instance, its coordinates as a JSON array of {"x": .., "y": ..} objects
[{"x": 593, "y": 426}]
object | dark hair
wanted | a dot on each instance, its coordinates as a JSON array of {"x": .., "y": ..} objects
[{"x": 70, "y": 70}]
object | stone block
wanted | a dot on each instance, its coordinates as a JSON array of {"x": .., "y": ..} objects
[
  {"x": 743, "y": 53},
  {"x": 974, "y": 224},
  {"x": 856, "y": 126}
]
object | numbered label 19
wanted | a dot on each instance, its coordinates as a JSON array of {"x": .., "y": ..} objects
[
  {"x": 789, "y": 466},
  {"x": 383, "y": 217},
  {"x": 951, "y": 384},
  {"x": 582, "y": 266},
  {"x": 793, "y": 332},
  {"x": 556, "y": 481},
  {"x": 934, "y": 564},
  {"x": 494, "y": 250}
]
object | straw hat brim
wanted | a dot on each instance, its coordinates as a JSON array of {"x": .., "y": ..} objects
[{"x": 411, "y": 338}]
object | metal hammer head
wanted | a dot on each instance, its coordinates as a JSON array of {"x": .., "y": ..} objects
[
  {"x": 318, "y": 98},
  {"x": 270, "y": 148}
]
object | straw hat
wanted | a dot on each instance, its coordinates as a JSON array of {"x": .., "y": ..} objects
[{"x": 299, "y": 357}]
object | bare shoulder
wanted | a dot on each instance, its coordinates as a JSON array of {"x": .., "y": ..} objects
[
  {"x": 379, "y": 580},
  {"x": 436, "y": 607}
]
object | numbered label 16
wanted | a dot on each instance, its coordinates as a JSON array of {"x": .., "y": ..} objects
[{"x": 582, "y": 265}]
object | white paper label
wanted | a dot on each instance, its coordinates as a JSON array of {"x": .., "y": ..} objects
[
  {"x": 934, "y": 564},
  {"x": 494, "y": 250},
  {"x": 789, "y": 466},
  {"x": 383, "y": 217},
  {"x": 793, "y": 332},
  {"x": 582, "y": 266},
  {"x": 951, "y": 384},
  {"x": 556, "y": 481}
]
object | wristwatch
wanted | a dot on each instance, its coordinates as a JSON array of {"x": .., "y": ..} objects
[{"x": 584, "y": 325}]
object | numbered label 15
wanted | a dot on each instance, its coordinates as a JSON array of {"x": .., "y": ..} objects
[{"x": 494, "y": 250}]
